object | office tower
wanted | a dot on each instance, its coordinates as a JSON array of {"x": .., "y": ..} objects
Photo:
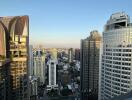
[
  {"x": 39, "y": 65},
  {"x": 70, "y": 55},
  {"x": 30, "y": 60},
  {"x": 52, "y": 75},
  {"x": 90, "y": 66},
  {"x": 15, "y": 42},
  {"x": 4, "y": 68},
  {"x": 116, "y": 54},
  {"x": 77, "y": 54}
]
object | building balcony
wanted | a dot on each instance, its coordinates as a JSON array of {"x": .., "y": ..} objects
[
  {"x": 19, "y": 59},
  {"x": 19, "y": 47}
]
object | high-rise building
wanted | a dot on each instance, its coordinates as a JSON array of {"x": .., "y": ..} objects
[
  {"x": 70, "y": 55},
  {"x": 116, "y": 54},
  {"x": 90, "y": 66},
  {"x": 33, "y": 88},
  {"x": 14, "y": 42},
  {"x": 31, "y": 60},
  {"x": 52, "y": 74},
  {"x": 39, "y": 65},
  {"x": 77, "y": 54},
  {"x": 52, "y": 70}
]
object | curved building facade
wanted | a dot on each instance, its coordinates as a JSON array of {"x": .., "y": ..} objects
[
  {"x": 116, "y": 57},
  {"x": 2, "y": 41},
  {"x": 14, "y": 42}
]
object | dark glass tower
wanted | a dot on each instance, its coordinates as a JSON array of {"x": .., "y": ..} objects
[{"x": 90, "y": 66}]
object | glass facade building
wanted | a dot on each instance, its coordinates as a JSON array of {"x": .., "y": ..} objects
[
  {"x": 14, "y": 43},
  {"x": 116, "y": 57},
  {"x": 90, "y": 66}
]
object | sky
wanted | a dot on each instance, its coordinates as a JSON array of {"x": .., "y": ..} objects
[{"x": 63, "y": 23}]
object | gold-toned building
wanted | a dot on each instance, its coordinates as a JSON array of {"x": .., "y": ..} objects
[{"x": 14, "y": 43}]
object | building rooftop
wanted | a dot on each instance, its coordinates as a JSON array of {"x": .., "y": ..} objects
[
  {"x": 94, "y": 35},
  {"x": 117, "y": 21},
  {"x": 119, "y": 15}
]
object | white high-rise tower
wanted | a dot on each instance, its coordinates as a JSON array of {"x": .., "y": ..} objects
[
  {"x": 116, "y": 57},
  {"x": 39, "y": 65},
  {"x": 52, "y": 71}
]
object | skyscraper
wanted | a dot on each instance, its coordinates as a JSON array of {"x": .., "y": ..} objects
[
  {"x": 52, "y": 70},
  {"x": 116, "y": 54},
  {"x": 30, "y": 60},
  {"x": 39, "y": 65},
  {"x": 90, "y": 66},
  {"x": 14, "y": 42},
  {"x": 70, "y": 55},
  {"x": 52, "y": 75},
  {"x": 77, "y": 54}
]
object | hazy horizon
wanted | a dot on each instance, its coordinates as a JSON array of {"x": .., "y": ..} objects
[{"x": 63, "y": 23}]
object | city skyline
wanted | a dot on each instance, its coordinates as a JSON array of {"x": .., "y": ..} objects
[
  {"x": 100, "y": 69},
  {"x": 63, "y": 23}
]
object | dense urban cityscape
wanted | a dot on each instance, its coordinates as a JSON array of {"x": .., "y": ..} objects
[{"x": 99, "y": 69}]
